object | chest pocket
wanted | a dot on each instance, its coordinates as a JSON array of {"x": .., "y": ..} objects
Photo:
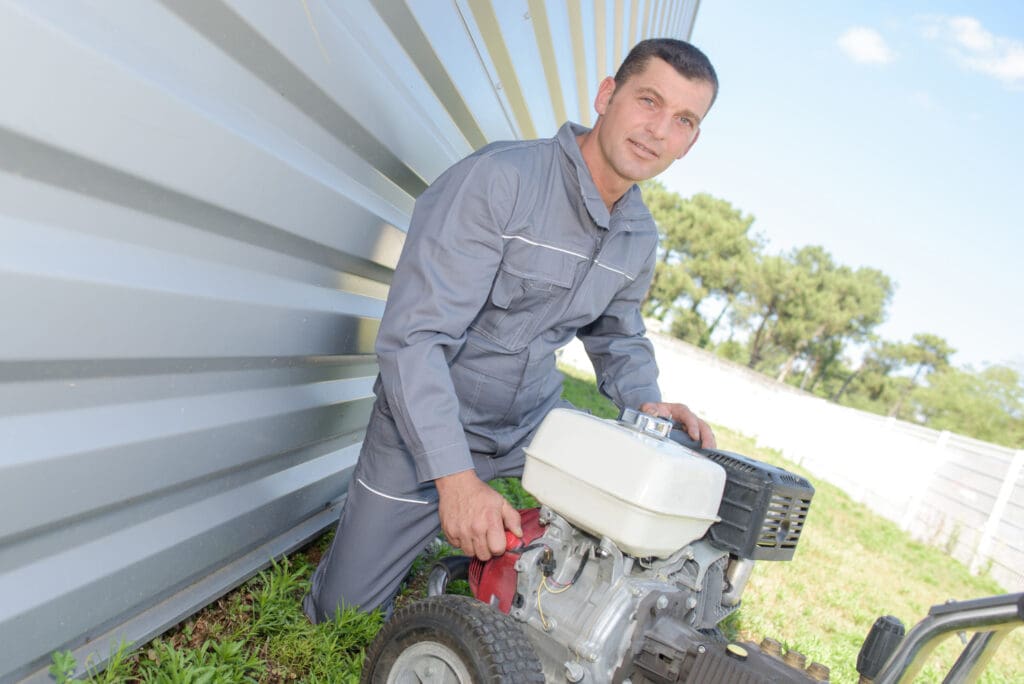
[{"x": 531, "y": 280}]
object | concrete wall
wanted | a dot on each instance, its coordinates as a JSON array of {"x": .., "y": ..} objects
[
  {"x": 951, "y": 491},
  {"x": 201, "y": 204}
]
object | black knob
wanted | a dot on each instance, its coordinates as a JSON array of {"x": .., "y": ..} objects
[{"x": 885, "y": 635}]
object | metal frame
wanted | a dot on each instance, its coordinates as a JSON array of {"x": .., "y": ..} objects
[{"x": 991, "y": 618}]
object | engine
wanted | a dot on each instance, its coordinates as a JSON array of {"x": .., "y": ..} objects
[{"x": 641, "y": 547}]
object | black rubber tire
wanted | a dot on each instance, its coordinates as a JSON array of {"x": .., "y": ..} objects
[{"x": 490, "y": 645}]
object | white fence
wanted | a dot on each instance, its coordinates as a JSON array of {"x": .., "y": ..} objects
[{"x": 954, "y": 492}]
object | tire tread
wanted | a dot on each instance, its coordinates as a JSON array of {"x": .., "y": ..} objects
[{"x": 495, "y": 641}]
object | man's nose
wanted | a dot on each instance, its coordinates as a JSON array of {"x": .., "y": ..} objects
[{"x": 658, "y": 126}]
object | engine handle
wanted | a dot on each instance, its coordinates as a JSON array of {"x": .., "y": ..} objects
[{"x": 682, "y": 437}]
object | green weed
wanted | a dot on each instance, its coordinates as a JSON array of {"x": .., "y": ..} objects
[
  {"x": 210, "y": 663},
  {"x": 292, "y": 646},
  {"x": 512, "y": 490},
  {"x": 63, "y": 666}
]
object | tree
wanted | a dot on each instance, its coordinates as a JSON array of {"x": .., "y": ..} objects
[
  {"x": 859, "y": 300},
  {"x": 872, "y": 378},
  {"x": 807, "y": 305},
  {"x": 706, "y": 251},
  {"x": 773, "y": 285},
  {"x": 802, "y": 311},
  {"x": 925, "y": 352},
  {"x": 986, "y": 405}
]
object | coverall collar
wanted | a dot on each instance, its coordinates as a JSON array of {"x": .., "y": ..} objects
[{"x": 629, "y": 206}]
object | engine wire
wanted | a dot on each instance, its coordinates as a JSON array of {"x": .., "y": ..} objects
[
  {"x": 559, "y": 588},
  {"x": 540, "y": 610}
]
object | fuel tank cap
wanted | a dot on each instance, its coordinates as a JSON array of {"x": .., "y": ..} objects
[{"x": 645, "y": 423}]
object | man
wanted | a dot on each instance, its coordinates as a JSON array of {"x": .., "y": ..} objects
[{"x": 510, "y": 253}]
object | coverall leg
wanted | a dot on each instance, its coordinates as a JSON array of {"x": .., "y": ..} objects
[{"x": 388, "y": 519}]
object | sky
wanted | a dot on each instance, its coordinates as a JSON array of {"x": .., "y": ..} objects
[{"x": 892, "y": 134}]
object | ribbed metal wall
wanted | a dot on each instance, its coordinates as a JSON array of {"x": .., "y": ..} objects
[{"x": 201, "y": 203}]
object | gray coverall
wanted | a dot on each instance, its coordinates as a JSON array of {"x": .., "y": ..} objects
[{"x": 509, "y": 254}]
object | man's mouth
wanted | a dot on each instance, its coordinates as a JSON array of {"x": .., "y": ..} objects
[{"x": 644, "y": 150}]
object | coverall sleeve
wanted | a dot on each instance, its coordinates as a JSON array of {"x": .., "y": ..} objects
[
  {"x": 451, "y": 256},
  {"x": 617, "y": 345}
]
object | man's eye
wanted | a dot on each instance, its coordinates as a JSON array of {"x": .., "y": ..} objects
[
  {"x": 647, "y": 101},
  {"x": 687, "y": 123}
]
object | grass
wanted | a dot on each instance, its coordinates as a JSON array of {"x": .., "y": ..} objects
[
  {"x": 257, "y": 633},
  {"x": 851, "y": 567}
]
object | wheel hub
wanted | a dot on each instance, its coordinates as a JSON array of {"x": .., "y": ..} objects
[{"x": 429, "y": 662}]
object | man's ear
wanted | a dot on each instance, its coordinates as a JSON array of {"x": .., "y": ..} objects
[
  {"x": 604, "y": 94},
  {"x": 692, "y": 143}
]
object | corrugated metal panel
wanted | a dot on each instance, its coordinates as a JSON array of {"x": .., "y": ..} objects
[{"x": 201, "y": 204}]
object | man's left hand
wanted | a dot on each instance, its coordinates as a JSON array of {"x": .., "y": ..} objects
[{"x": 694, "y": 426}]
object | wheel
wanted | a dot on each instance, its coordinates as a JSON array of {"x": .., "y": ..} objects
[{"x": 451, "y": 640}]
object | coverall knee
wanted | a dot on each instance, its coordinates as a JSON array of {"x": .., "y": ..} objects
[{"x": 388, "y": 519}]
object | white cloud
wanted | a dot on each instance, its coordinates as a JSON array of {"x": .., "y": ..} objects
[
  {"x": 865, "y": 45},
  {"x": 969, "y": 33},
  {"x": 973, "y": 46},
  {"x": 1007, "y": 66}
]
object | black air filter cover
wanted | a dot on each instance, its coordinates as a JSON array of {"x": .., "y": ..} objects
[{"x": 763, "y": 508}]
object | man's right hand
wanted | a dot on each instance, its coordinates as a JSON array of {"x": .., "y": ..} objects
[{"x": 474, "y": 517}]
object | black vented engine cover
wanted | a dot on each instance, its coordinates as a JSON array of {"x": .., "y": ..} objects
[{"x": 763, "y": 508}]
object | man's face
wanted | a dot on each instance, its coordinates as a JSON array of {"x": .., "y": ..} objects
[{"x": 649, "y": 121}]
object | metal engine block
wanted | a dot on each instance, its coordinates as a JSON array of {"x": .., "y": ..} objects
[{"x": 587, "y": 603}]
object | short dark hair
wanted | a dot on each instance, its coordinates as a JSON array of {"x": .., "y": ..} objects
[{"x": 684, "y": 58}]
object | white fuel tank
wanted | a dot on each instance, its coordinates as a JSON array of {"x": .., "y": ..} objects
[{"x": 648, "y": 494}]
